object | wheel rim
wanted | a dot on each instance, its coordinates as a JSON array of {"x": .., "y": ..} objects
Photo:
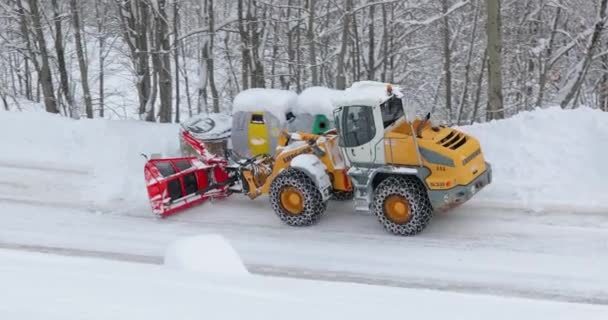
[
  {"x": 397, "y": 209},
  {"x": 292, "y": 200}
]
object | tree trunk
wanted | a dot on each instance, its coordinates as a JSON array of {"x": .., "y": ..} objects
[
  {"x": 385, "y": 32},
  {"x": 447, "y": 57},
  {"x": 25, "y": 33},
  {"x": 161, "y": 60},
  {"x": 298, "y": 53},
  {"x": 312, "y": 50},
  {"x": 371, "y": 54},
  {"x": 176, "y": 58},
  {"x": 356, "y": 53},
  {"x": 45, "y": 77},
  {"x": 341, "y": 72},
  {"x": 542, "y": 82},
  {"x": 134, "y": 17},
  {"x": 65, "y": 87},
  {"x": 151, "y": 107},
  {"x": 484, "y": 64},
  {"x": 81, "y": 59},
  {"x": 203, "y": 78},
  {"x": 210, "y": 61},
  {"x": 186, "y": 82},
  {"x": 467, "y": 72},
  {"x": 593, "y": 42},
  {"x": 257, "y": 67},
  {"x": 245, "y": 46},
  {"x": 496, "y": 108},
  {"x": 100, "y": 16}
]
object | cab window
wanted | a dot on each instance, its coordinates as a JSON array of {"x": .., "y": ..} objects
[
  {"x": 392, "y": 110},
  {"x": 357, "y": 126}
]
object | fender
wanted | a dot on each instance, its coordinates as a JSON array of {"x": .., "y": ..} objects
[{"x": 315, "y": 170}]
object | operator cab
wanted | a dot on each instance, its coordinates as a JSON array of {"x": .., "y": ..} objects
[{"x": 363, "y": 119}]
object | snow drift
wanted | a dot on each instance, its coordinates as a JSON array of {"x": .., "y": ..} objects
[
  {"x": 546, "y": 159},
  {"x": 205, "y": 253},
  {"x": 84, "y": 288},
  {"x": 106, "y": 154},
  {"x": 542, "y": 159}
]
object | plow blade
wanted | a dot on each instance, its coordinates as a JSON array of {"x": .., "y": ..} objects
[{"x": 176, "y": 184}]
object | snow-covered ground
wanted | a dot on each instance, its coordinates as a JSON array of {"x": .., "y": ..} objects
[
  {"x": 40, "y": 286},
  {"x": 540, "y": 160},
  {"x": 76, "y": 187},
  {"x": 547, "y": 159}
]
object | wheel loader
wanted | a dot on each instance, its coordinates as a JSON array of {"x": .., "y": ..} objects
[
  {"x": 404, "y": 170},
  {"x": 399, "y": 169}
]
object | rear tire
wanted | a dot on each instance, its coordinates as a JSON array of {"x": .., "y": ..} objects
[
  {"x": 308, "y": 204},
  {"x": 402, "y": 205}
]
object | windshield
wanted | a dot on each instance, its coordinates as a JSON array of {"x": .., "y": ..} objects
[{"x": 392, "y": 110}]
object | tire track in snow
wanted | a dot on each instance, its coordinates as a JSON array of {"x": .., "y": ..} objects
[
  {"x": 43, "y": 167},
  {"x": 324, "y": 275}
]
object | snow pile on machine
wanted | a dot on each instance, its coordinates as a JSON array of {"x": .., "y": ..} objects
[
  {"x": 211, "y": 129},
  {"x": 258, "y": 115}
]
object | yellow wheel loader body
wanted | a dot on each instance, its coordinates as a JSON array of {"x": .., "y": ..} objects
[
  {"x": 291, "y": 145},
  {"x": 452, "y": 157}
]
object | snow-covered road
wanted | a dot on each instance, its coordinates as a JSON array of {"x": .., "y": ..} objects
[
  {"x": 548, "y": 255},
  {"x": 63, "y": 192}
]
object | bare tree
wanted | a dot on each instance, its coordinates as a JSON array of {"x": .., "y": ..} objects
[
  {"x": 176, "y": 58},
  {"x": 467, "y": 72},
  {"x": 59, "y": 49},
  {"x": 493, "y": 30},
  {"x": 101, "y": 13},
  {"x": 341, "y": 72},
  {"x": 82, "y": 61},
  {"x": 161, "y": 59},
  {"x": 134, "y": 16},
  {"x": 587, "y": 59},
  {"x": 447, "y": 58},
  {"x": 210, "y": 61},
  {"x": 545, "y": 66},
  {"x": 44, "y": 73},
  {"x": 312, "y": 50}
]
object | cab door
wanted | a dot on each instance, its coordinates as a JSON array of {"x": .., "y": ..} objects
[{"x": 360, "y": 139}]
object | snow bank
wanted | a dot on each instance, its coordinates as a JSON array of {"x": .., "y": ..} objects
[
  {"x": 277, "y": 102},
  {"x": 543, "y": 159},
  {"x": 100, "y": 159},
  {"x": 82, "y": 288},
  {"x": 319, "y": 100},
  {"x": 546, "y": 158},
  {"x": 205, "y": 253}
]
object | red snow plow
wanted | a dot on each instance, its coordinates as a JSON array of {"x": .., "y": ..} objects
[{"x": 176, "y": 184}]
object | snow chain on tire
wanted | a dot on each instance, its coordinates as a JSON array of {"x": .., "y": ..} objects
[
  {"x": 314, "y": 205},
  {"x": 415, "y": 193}
]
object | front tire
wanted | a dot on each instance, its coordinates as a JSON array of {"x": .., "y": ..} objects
[
  {"x": 295, "y": 198},
  {"x": 402, "y": 205}
]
